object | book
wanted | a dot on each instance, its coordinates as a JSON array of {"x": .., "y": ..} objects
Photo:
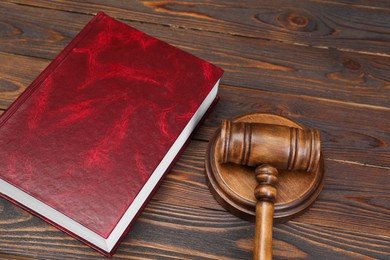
[{"x": 87, "y": 143}]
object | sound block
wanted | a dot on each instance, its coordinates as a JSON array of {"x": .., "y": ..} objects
[{"x": 233, "y": 185}]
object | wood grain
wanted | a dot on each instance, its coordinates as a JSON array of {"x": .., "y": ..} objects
[
  {"x": 322, "y": 24},
  {"x": 349, "y": 132},
  {"x": 251, "y": 63},
  {"x": 342, "y": 179},
  {"x": 329, "y": 243},
  {"x": 323, "y": 63},
  {"x": 370, "y": 4},
  {"x": 16, "y": 73}
]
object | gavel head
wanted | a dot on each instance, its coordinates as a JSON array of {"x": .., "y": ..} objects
[{"x": 285, "y": 148}]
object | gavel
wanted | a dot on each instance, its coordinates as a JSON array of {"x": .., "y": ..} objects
[{"x": 268, "y": 148}]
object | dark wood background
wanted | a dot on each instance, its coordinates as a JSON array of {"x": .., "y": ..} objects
[{"x": 323, "y": 63}]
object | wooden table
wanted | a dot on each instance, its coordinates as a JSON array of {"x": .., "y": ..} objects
[{"x": 325, "y": 64}]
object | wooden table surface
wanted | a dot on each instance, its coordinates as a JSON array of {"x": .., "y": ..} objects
[{"x": 323, "y": 63}]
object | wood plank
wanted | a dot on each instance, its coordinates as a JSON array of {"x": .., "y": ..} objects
[
  {"x": 349, "y": 132},
  {"x": 322, "y": 24},
  {"x": 354, "y": 196},
  {"x": 330, "y": 243},
  {"x": 342, "y": 210},
  {"x": 16, "y": 73},
  {"x": 251, "y": 63},
  {"x": 370, "y": 4},
  {"x": 159, "y": 239}
]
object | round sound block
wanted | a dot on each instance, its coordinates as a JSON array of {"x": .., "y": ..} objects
[{"x": 233, "y": 185}]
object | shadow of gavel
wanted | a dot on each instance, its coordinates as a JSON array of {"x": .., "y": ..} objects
[{"x": 268, "y": 148}]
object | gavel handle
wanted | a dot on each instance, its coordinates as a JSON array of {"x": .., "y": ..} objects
[
  {"x": 263, "y": 236},
  {"x": 265, "y": 193}
]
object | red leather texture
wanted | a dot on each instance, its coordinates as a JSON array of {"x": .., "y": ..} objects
[{"x": 88, "y": 132}]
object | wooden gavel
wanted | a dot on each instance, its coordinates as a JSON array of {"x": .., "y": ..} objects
[{"x": 268, "y": 147}]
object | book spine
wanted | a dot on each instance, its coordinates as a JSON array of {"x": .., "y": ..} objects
[{"x": 49, "y": 69}]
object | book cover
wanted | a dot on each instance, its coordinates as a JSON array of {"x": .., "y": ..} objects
[{"x": 87, "y": 143}]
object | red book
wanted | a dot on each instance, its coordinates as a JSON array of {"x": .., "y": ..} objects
[{"x": 87, "y": 143}]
